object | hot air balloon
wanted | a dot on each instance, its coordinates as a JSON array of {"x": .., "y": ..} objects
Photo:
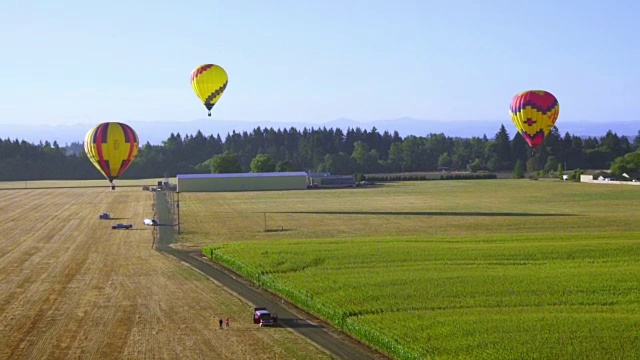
[
  {"x": 534, "y": 112},
  {"x": 111, "y": 147},
  {"x": 209, "y": 82}
]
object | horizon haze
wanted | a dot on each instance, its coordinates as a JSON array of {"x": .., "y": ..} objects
[{"x": 156, "y": 132}]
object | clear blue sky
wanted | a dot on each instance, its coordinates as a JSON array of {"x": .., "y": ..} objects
[{"x": 72, "y": 61}]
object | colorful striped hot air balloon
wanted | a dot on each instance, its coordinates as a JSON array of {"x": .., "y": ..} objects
[
  {"x": 209, "y": 82},
  {"x": 111, "y": 147},
  {"x": 534, "y": 113}
]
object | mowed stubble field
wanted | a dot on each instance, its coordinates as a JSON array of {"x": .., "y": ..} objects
[
  {"x": 445, "y": 269},
  {"x": 103, "y": 183},
  {"x": 71, "y": 287}
]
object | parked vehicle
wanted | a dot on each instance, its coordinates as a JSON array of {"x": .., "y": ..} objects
[
  {"x": 264, "y": 317},
  {"x": 122, "y": 226},
  {"x": 104, "y": 216},
  {"x": 150, "y": 222}
]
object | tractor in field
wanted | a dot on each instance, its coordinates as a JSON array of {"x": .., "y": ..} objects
[{"x": 264, "y": 317}]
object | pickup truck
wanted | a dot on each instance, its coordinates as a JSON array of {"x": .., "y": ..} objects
[
  {"x": 264, "y": 317},
  {"x": 104, "y": 216},
  {"x": 122, "y": 226}
]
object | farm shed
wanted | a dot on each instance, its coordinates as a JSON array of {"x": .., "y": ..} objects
[
  {"x": 242, "y": 182},
  {"x": 337, "y": 181},
  {"x": 327, "y": 180}
]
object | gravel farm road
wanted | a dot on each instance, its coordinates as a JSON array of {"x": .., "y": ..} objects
[{"x": 335, "y": 342}]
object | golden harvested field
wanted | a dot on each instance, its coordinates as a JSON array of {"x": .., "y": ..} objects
[
  {"x": 71, "y": 287},
  {"x": 41, "y": 184}
]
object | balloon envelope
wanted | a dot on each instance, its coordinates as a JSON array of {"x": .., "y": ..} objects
[
  {"x": 111, "y": 147},
  {"x": 209, "y": 82},
  {"x": 534, "y": 113}
]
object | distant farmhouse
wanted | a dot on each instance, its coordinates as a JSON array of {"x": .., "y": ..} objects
[
  {"x": 326, "y": 180},
  {"x": 604, "y": 177}
]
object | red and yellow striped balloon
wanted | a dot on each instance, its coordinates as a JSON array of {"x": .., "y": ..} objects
[
  {"x": 209, "y": 82},
  {"x": 111, "y": 147},
  {"x": 534, "y": 113}
]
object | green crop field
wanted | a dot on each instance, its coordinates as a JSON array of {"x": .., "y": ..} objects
[{"x": 444, "y": 269}]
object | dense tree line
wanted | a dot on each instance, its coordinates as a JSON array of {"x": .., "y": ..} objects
[{"x": 354, "y": 151}]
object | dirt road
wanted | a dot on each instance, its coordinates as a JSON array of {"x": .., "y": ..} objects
[
  {"x": 73, "y": 288},
  {"x": 333, "y": 341}
]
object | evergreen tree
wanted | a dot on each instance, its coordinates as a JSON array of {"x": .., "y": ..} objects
[
  {"x": 518, "y": 170},
  {"x": 551, "y": 164},
  {"x": 501, "y": 152},
  {"x": 284, "y": 166},
  {"x": 519, "y": 149},
  {"x": 330, "y": 149},
  {"x": 559, "y": 170},
  {"x": 396, "y": 159}
]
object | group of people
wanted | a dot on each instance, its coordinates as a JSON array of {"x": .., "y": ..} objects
[{"x": 224, "y": 323}]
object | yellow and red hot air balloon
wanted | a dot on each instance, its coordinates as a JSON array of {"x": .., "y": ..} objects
[
  {"x": 209, "y": 82},
  {"x": 111, "y": 147},
  {"x": 534, "y": 112}
]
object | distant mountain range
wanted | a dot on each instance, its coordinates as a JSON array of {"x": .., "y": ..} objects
[{"x": 156, "y": 132}]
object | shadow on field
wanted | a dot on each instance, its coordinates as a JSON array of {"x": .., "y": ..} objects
[
  {"x": 36, "y": 187},
  {"x": 278, "y": 229},
  {"x": 421, "y": 213},
  {"x": 296, "y": 324}
]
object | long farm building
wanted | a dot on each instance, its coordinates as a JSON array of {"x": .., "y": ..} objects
[{"x": 242, "y": 182}]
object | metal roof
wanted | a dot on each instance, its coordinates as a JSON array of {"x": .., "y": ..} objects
[{"x": 241, "y": 175}]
